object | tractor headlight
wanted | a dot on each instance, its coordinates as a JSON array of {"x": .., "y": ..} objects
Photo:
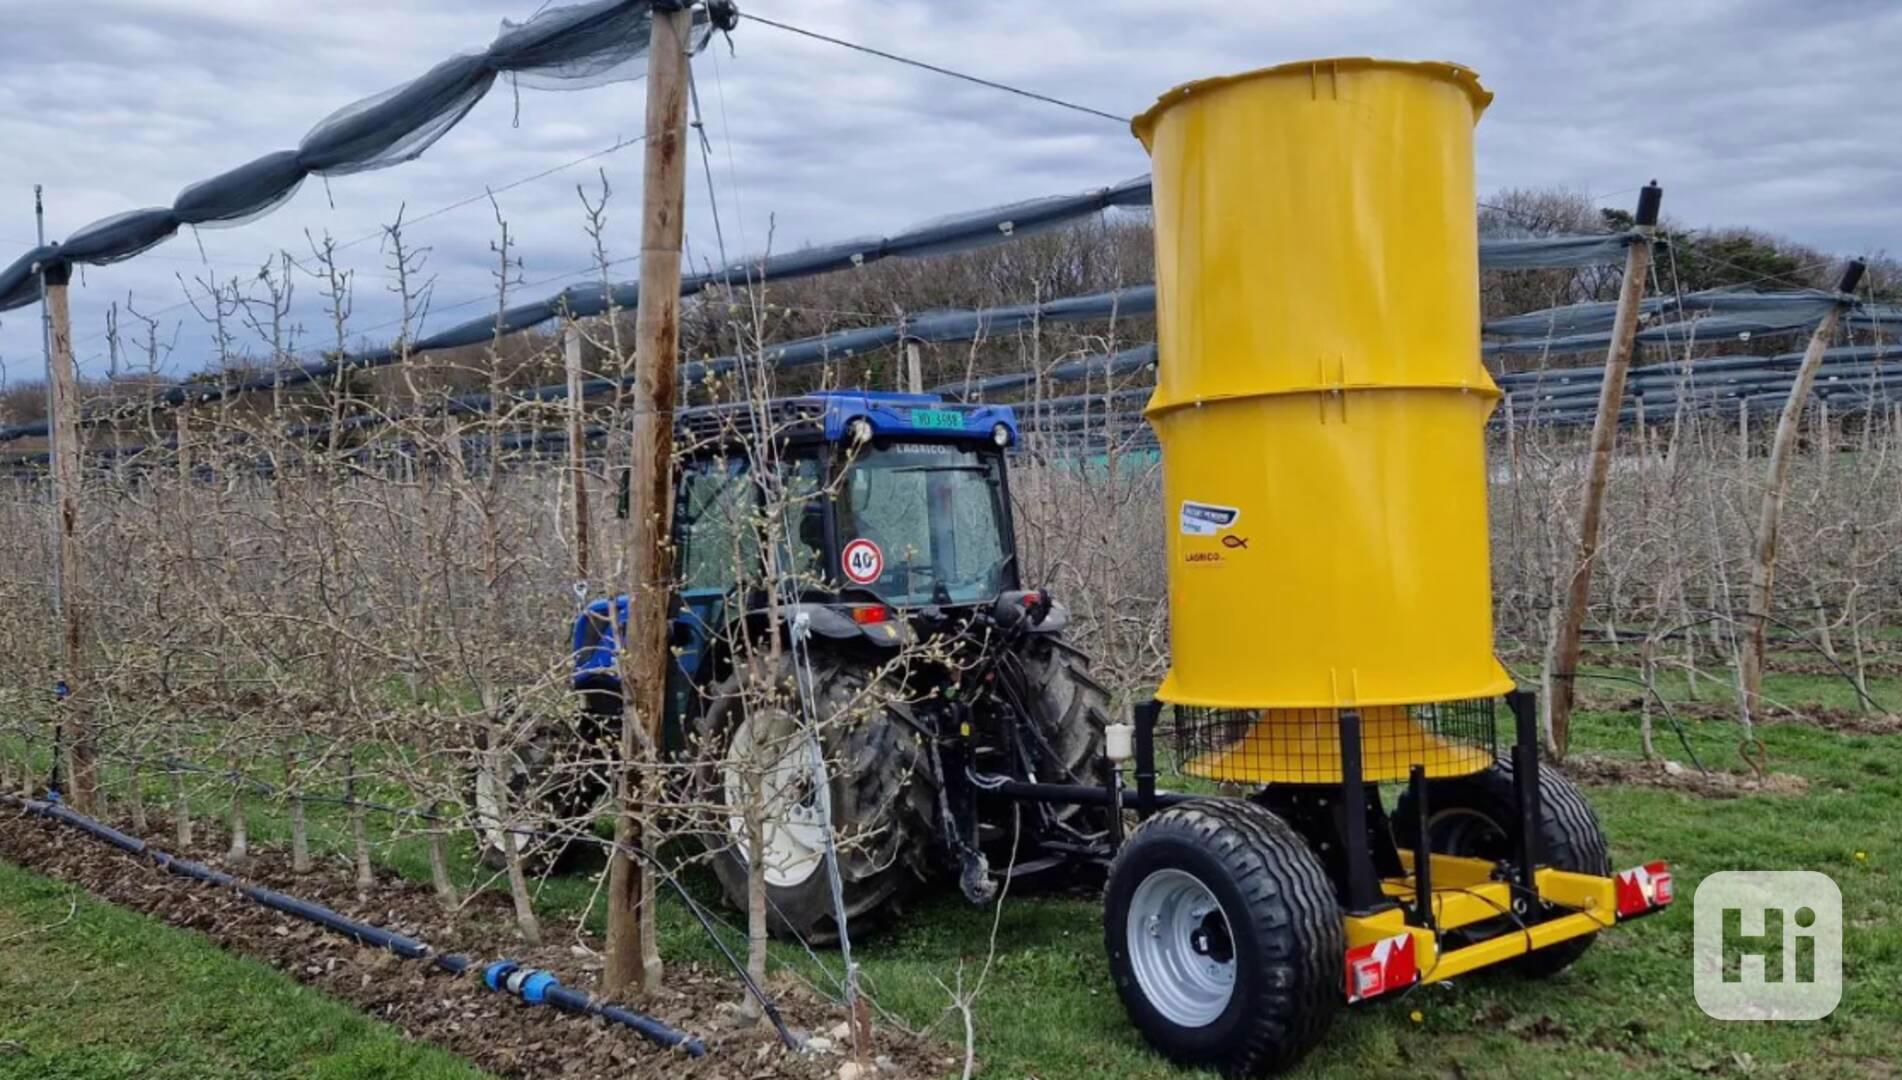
[{"x": 1000, "y": 435}]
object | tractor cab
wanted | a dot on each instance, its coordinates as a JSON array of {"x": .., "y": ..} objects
[{"x": 883, "y": 508}]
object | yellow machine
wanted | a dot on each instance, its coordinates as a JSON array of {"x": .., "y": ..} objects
[
  {"x": 1321, "y": 408},
  {"x": 1318, "y": 285}
]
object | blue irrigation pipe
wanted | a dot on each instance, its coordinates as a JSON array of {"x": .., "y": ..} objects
[
  {"x": 786, "y": 1035},
  {"x": 546, "y": 989}
]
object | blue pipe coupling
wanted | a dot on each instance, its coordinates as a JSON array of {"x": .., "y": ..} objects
[{"x": 529, "y": 984}]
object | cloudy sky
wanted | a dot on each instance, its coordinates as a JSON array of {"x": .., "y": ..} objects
[{"x": 1771, "y": 114}]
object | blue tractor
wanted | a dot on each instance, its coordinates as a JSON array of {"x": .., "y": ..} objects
[{"x": 895, "y": 543}]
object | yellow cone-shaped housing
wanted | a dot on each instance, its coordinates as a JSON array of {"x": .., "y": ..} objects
[{"x": 1320, "y": 399}]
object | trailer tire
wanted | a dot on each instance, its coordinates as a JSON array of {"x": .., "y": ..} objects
[
  {"x": 882, "y": 796},
  {"x": 1475, "y": 816},
  {"x": 1274, "y": 917}
]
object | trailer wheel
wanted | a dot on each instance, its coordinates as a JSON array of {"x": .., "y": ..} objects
[
  {"x": 1224, "y": 936},
  {"x": 1475, "y": 816},
  {"x": 882, "y": 798}
]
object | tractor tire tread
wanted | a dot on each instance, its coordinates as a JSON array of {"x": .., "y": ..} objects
[{"x": 884, "y": 807}]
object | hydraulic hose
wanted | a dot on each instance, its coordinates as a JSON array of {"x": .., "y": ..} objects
[{"x": 532, "y": 986}]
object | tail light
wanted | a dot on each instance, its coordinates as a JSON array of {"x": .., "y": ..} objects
[
  {"x": 1645, "y": 888},
  {"x": 1381, "y": 967},
  {"x": 871, "y": 614}
]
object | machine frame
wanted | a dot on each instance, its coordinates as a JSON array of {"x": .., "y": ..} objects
[{"x": 1395, "y": 922}]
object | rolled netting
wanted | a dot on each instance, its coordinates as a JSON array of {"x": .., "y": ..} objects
[{"x": 570, "y": 47}]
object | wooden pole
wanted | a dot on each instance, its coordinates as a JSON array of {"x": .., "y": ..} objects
[
  {"x": 1562, "y": 660},
  {"x": 64, "y": 450},
  {"x": 1776, "y": 487},
  {"x": 914, "y": 369},
  {"x": 632, "y": 951},
  {"x": 577, "y": 451}
]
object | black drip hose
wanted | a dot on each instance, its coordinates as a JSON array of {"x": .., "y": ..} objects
[{"x": 546, "y": 988}]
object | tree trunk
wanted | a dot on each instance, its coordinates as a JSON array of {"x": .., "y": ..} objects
[
  {"x": 439, "y": 876},
  {"x": 240, "y": 849},
  {"x": 359, "y": 824},
  {"x": 181, "y": 810},
  {"x": 300, "y": 830},
  {"x": 577, "y": 453},
  {"x": 135, "y": 796}
]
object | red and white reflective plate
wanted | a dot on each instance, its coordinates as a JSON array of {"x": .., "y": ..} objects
[
  {"x": 1644, "y": 889},
  {"x": 1381, "y": 967},
  {"x": 862, "y": 562}
]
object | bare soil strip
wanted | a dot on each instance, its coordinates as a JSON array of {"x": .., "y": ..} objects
[
  {"x": 1598, "y": 770},
  {"x": 494, "y": 1031}
]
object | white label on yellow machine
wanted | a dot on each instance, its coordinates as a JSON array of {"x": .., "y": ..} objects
[{"x": 1207, "y": 519}]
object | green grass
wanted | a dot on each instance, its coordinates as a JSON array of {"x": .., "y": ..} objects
[
  {"x": 110, "y": 995},
  {"x": 1628, "y": 1005},
  {"x": 1048, "y": 1009}
]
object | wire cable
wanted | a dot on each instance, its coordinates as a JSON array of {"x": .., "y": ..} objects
[
  {"x": 487, "y": 193},
  {"x": 909, "y": 61}
]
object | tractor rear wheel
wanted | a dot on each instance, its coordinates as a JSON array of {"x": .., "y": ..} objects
[
  {"x": 545, "y": 789},
  {"x": 1224, "y": 936},
  {"x": 1071, "y": 710},
  {"x": 1476, "y": 816},
  {"x": 757, "y": 751}
]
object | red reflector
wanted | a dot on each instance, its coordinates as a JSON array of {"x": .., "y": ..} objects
[
  {"x": 1645, "y": 888},
  {"x": 1381, "y": 967},
  {"x": 1366, "y": 979},
  {"x": 866, "y": 616}
]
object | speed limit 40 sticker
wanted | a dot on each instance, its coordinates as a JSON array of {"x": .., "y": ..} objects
[{"x": 863, "y": 562}]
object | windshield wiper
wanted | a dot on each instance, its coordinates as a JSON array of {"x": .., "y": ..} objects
[{"x": 940, "y": 468}]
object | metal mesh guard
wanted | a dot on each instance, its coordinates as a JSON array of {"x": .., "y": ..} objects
[{"x": 1303, "y": 746}]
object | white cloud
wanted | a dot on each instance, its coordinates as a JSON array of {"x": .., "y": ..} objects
[{"x": 1758, "y": 113}]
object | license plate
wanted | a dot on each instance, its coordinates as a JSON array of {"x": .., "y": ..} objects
[{"x": 938, "y": 419}]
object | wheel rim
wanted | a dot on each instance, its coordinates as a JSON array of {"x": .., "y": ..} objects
[
  {"x": 792, "y": 800},
  {"x": 521, "y": 821},
  {"x": 488, "y": 809},
  {"x": 1467, "y": 833},
  {"x": 1181, "y": 948}
]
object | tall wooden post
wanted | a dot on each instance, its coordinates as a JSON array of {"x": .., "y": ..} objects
[
  {"x": 577, "y": 451},
  {"x": 1562, "y": 660},
  {"x": 1776, "y": 487},
  {"x": 633, "y": 953},
  {"x": 63, "y": 430},
  {"x": 914, "y": 369}
]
